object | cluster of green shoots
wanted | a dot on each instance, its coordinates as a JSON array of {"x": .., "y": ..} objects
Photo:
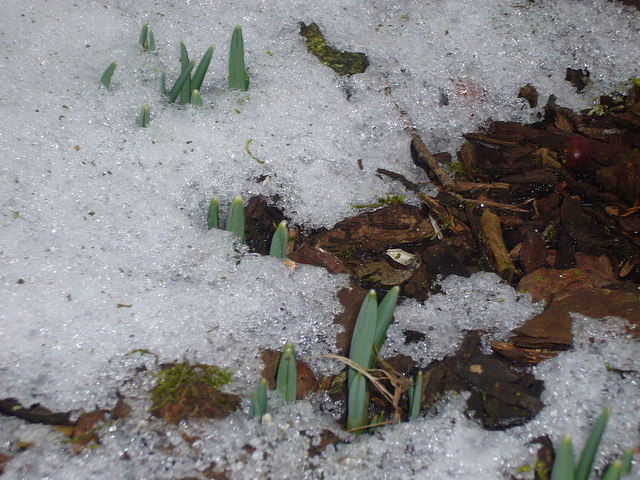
[
  {"x": 369, "y": 334},
  {"x": 186, "y": 88},
  {"x": 564, "y": 467},
  {"x": 235, "y": 224},
  {"x": 286, "y": 383}
]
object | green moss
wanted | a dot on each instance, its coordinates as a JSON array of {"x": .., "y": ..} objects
[
  {"x": 390, "y": 199},
  {"x": 347, "y": 253},
  {"x": 181, "y": 379},
  {"x": 458, "y": 169},
  {"x": 343, "y": 63}
]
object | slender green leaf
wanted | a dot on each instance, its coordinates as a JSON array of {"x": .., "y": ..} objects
[
  {"x": 235, "y": 218},
  {"x": 238, "y": 78},
  {"x": 563, "y": 464},
  {"x": 385, "y": 317},
  {"x": 626, "y": 459},
  {"x": 363, "y": 333},
  {"x": 259, "y": 400},
  {"x": 152, "y": 41},
  {"x": 175, "y": 90},
  {"x": 213, "y": 217},
  {"x": 143, "y": 35},
  {"x": 358, "y": 404},
  {"x": 163, "y": 82},
  {"x": 591, "y": 447},
  {"x": 108, "y": 73},
  {"x": 185, "y": 93},
  {"x": 195, "y": 98},
  {"x": 287, "y": 379},
  {"x": 613, "y": 472},
  {"x": 201, "y": 71},
  {"x": 145, "y": 115},
  {"x": 280, "y": 241},
  {"x": 376, "y": 420},
  {"x": 415, "y": 396}
]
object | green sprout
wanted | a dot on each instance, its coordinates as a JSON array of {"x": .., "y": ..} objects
[
  {"x": 259, "y": 400},
  {"x": 185, "y": 91},
  {"x": 177, "y": 87},
  {"x": 385, "y": 317},
  {"x": 201, "y": 70},
  {"x": 145, "y": 115},
  {"x": 188, "y": 87},
  {"x": 108, "y": 73},
  {"x": 151, "y": 44},
  {"x": 415, "y": 396},
  {"x": 238, "y": 78},
  {"x": 144, "y": 35},
  {"x": 368, "y": 336},
  {"x": 280, "y": 241},
  {"x": 195, "y": 98},
  {"x": 287, "y": 379},
  {"x": 360, "y": 353},
  {"x": 213, "y": 219},
  {"x": 563, "y": 466},
  {"x": 235, "y": 218}
]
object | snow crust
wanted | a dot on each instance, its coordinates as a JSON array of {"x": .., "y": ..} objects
[{"x": 104, "y": 247}]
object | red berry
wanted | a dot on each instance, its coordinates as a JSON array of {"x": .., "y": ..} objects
[{"x": 579, "y": 153}]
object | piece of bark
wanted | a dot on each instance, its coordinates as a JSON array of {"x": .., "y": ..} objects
[
  {"x": 425, "y": 160},
  {"x": 441, "y": 260},
  {"x": 414, "y": 187},
  {"x": 534, "y": 253},
  {"x": 444, "y": 216},
  {"x": 551, "y": 330},
  {"x": 374, "y": 231},
  {"x": 35, "y": 414},
  {"x": 495, "y": 247},
  {"x": 309, "y": 255},
  {"x": 589, "y": 234}
]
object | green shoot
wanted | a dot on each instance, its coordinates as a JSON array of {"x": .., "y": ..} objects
[
  {"x": 627, "y": 456},
  {"x": 259, "y": 400},
  {"x": 198, "y": 76},
  {"x": 591, "y": 447},
  {"x": 363, "y": 333},
  {"x": 358, "y": 403},
  {"x": 287, "y": 379},
  {"x": 235, "y": 218},
  {"x": 108, "y": 73},
  {"x": 152, "y": 41},
  {"x": 163, "y": 82},
  {"x": 375, "y": 423},
  {"x": 213, "y": 215},
  {"x": 238, "y": 78},
  {"x": 195, "y": 98},
  {"x": 385, "y": 317},
  {"x": 360, "y": 353},
  {"x": 415, "y": 396},
  {"x": 563, "y": 464},
  {"x": 177, "y": 87},
  {"x": 614, "y": 471},
  {"x": 145, "y": 115},
  {"x": 143, "y": 35},
  {"x": 280, "y": 241},
  {"x": 185, "y": 92}
]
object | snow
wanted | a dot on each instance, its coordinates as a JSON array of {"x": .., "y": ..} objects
[{"x": 104, "y": 247}]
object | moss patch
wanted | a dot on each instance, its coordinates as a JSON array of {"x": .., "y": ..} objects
[
  {"x": 191, "y": 391},
  {"x": 343, "y": 63}
]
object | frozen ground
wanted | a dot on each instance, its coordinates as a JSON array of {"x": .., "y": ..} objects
[{"x": 104, "y": 247}]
